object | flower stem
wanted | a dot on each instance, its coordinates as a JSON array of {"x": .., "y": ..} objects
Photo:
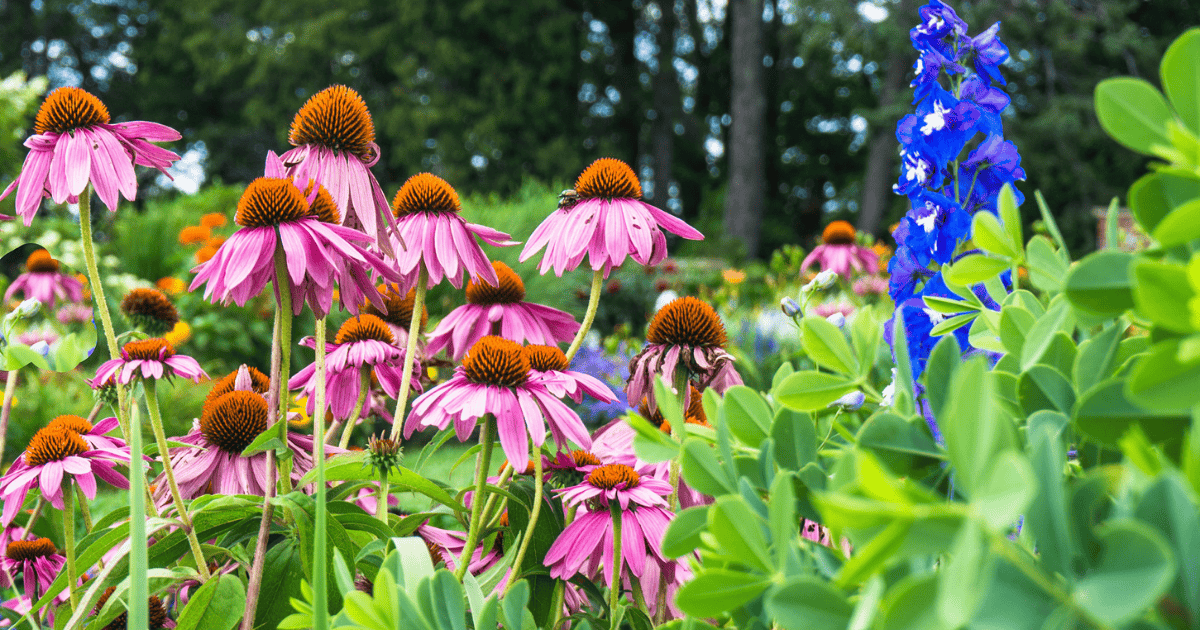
[
  {"x": 410, "y": 352},
  {"x": 10, "y": 388},
  {"x": 68, "y": 523},
  {"x": 37, "y": 512},
  {"x": 589, "y": 316},
  {"x": 363, "y": 386},
  {"x": 84, "y": 509},
  {"x": 97, "y": 289},
  {"x": 320, "y": 593},
  {"x": 614, "y": 595},
  {"x": 382, "y": 494},
  {"x": 533, "y": 517},
  {"x": 165, "y": 455},
  {"x": 486, "y": 440},
  {"x": 639, "y": 598},
  {"x": 277, "y": 408}
]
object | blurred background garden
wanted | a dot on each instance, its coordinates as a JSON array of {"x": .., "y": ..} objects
[{"x": 757, "y": 122}]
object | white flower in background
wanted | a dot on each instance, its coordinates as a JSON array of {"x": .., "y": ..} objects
[
  {"x": 850, "y": 401},
  {"x": 664, "y": 298}
]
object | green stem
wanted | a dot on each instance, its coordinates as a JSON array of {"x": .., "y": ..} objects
[
  {"x": 489, "y": 509},
  {"x": 382, "y": 493},
  {"x": 410, "y": 352},
  {"x": 589, "y": 316},
  {"x": 614, "y": 594},
  {"x": 639, "y": 598},
  {"x": 84, "y": 509},
  {"x": 363, "y": 386},
  {"x": 165, "y": 455},
  {"x": 1009, "y": 551},
  {"x": 139, "y": 595},
  {"x": 320, "y": 593},
  {"x": 534, "y": 512},
  {"x": 37, "y": 512},
  {"x": 97, "y": 289},
  {"x": 486, "y": 440},
  {"x": 10, "y": 388},
  {"x": 68, "y": 523}
]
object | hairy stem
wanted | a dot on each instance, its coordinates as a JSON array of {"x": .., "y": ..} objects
[
  {"x": 68, "y": 524},
  {"x": 10, "y": 388},
  {"x": 320, "y": 593},
  {"x": 614, "y": 594},
  {"x": 486, "y": 440},
  {"x": 410, "y": 352},
  {"x": 165, "y": 455},
  {"x": 534, "y": 512},
  {"x": 589, "y": 316},
  {"x": 382, "y": 494}
]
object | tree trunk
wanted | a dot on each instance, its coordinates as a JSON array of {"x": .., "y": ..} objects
[
  {"x": 748, "y": 108},
  {"x": 882, "y": 150},
  {"x": 666, "y": 104}
]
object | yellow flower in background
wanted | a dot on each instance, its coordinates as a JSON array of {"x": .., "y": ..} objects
[
  {"x": 179, "y": 334},
  {"x": 884, "y": 251},
  {"x": 300, "y": 409},
  {"x": 432, "y": 372},
  {"x": 171, "y": 285},
  {"x": 213, "y": 220},
  {"x": 733, "y": 276},
  {"x": 194, "y": 234}
]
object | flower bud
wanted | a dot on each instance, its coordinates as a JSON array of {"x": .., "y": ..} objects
[
  {"x": 850, "y": 401},
  {"x": 790, "y": 307},
  {"x": 837, "y": 319},
  {"x": 28, "y": 309}
]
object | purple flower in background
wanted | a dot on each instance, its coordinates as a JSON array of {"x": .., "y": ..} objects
[
  {"x": 939, "y": 23},
  {"x": 989, "y": 53}
]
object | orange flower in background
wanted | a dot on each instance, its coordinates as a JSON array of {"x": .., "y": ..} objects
[
  {"x": 205, "y": 253},
  {"x": 179, "y": 334},
  {"x": 213, "y": 220},
  {"x": 193, "y": 234},
  {"x": 171, "y": 285},
  {"x": 884, "y": 251},
  {"x": 734, "y": 276},
  {"x": 215, "y": 241}
]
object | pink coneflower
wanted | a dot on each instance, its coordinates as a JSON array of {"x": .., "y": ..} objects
[
  {"x": 499, "y": 309},
  {"x": 53, "y": 453},
  {"x": 227, "y": 425},
  {"x": 447, "y": 546},
  {"x": 92, "y": 434},
  {"x": 494, "y": 378},
  {"x": 37, "y": 562},
  {"x": 614, "y": 443},
  {"x": 44, "y": 281},
  {"x": 548, "y": 365},
  {"x": 688, "y": 334},
  {"x": 335, "y": 145},
  {"x": 606, "y": 221},
  {"x": 274, "y": 211},
  {"x": 149, "y": 358},
  {"x": 839, "y": 253},
  {"x": 870, "y": 285},
  {"x": 362, "y": 341},
  {"x": 75, "y": 312},
  {"x": 75, "y": 145},
  {"x": 427, "y": 213},
  {"x": 587, "y": 543},
  {"x": 825, "y": 309},
  {"x": 398, "y": 314}
]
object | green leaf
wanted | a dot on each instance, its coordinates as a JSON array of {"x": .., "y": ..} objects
[
  {"x": 1013, "y": 602},
  {"x": 1180, "y": 226},
  {"x": 940, "y": 368},
  {"x": 1180, "y": 72},
  {"x": 810, "y": 390},
  {"x": 1135, "y": 569},
  {"x": 1046, "y": 268},
  {"x": 1006, "y": 490},
  {"x": 795, "y": 439},
  {"x": 973, "y": 269},
  {"x": 808, "y": 603},
  {"x": 668, "y": 401},
  {"x": 1015, "y": 324},
  {"x": 547, "y": 529},
  {"x": 218, "y": 605},
  {"x": 649, "y": 442},
  {"x": 1096, "y": 359},
  {"x": 702, "y": 470},
  {"x": 905, "y": 447},
  {"x": 1006, "y": 203},
  {"x": 973, "y": 430},
  {"x": 1051, "y": 225},
  {"x": 353, "y": 467},
  {"x": 1161, "y": 382},
  {"x": 947, "y": 306},
  {"x": 826, "y": 345},
  {"x": 954, "y": 323},
  {"x": 1104, "y": 413},
  {"x": 282, "y": 574},
  {"x": 964, "y": 581},
  {"x": 989, "y": 235},
  {"x": 1162, "y": 291},
  {"x": 781, "y": 517},
  {"x": 748, "y": 415},
  {"x": 716, "y": 591},
  {"x": 512, "y": 607},
  {"x": 739, "y": 533},
  {"x": 1134, "y": 113},
  {"x": 869, "y": 559},
  {"x": 1167, "y": 506},
  {"x": 683, "y": 532},
  {"x": 1043, "y": 387},
  {"x": 1099, "y": 284},
  {"x": 1037, "y": 341},
  {"x": 904, "y": 374},
  {"x": 911, "y": 604}
]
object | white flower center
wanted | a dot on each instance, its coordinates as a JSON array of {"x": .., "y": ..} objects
[
  {"x": 935, "y": 317},
  {"x": 935, "y": 121},
  {"x": 929, "y": 221}
]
